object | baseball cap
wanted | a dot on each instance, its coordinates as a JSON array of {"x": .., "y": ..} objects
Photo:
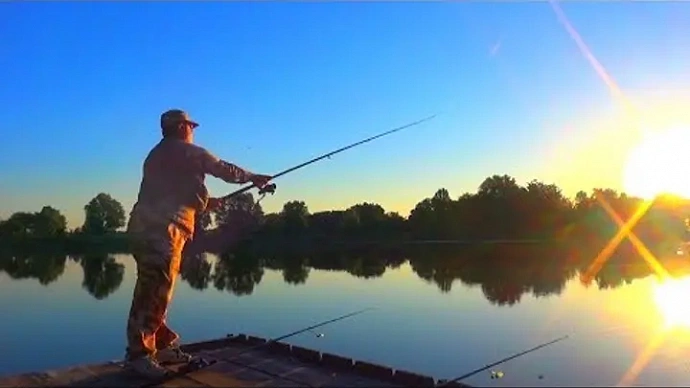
[{"x": 175, "y": 116}]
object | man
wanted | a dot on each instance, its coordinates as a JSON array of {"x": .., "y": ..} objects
[{"x": 172, "y": 191}]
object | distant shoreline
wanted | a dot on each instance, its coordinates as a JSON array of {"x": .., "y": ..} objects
[{"x": 117, "y": 242}]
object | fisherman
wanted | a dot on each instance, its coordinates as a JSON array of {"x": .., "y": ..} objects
[{"x": 171, "y": 193}]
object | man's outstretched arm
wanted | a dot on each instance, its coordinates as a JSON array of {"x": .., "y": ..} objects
[{"x": 231, "y": 173}]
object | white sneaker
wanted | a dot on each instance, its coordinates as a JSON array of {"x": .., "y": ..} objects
[
  {"x": 173, "y": 355},
  {"x": 146, "y": 366}
]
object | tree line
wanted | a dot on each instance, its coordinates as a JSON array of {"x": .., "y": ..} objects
[
  {"x": 500, "y": 209},
  {"x": 103, "y": 215}
]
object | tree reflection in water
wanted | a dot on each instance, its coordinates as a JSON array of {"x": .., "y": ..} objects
[
  {"x": 44, "y": 267},
  {"x": 504, "y": 272},
  {"x": 236, "y": 274},
  {"x": 195, "y": 269},
  {"x": 102, "y": 274}
]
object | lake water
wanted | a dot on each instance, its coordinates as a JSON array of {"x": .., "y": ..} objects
[{"x": 634, "y": 334}]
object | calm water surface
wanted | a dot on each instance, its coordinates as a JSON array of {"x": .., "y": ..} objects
[{"x": 635, "y": 334}]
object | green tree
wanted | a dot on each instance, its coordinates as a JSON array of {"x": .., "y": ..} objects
[
  {"x": 239, "y": 209},
  {"x": 434, "y": 218},
  {"x": 547, "y": 210},
  {"x": 49, "y": 222},
  {"x": 366, "y": 220},
  {"x": 582, "y": 200},
  {"x": 19, "y": 225},
  {"x": 327, "y": 223},
  {"x": 103, "y": 214},
  {"x": 499, "y": 186},
  {"x": 295, "y": 217},
  {"x": 500, "y": 202}
]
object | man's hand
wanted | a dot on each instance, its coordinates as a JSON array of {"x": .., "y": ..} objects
[
  {"x": 260, "y": 180},
  {"x": 213, "y": 203}
]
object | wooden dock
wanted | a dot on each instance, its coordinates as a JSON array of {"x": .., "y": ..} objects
[{"x": 276, "y": 364}]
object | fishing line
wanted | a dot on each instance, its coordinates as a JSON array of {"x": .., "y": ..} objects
[{"x": 516, "y": 355}]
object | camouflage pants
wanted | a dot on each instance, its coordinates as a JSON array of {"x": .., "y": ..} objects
[{"x": 158, "y": 255}]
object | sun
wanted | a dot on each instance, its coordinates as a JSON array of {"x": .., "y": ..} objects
[
  {"x": 659, "y": 164},
  {"x": 671, "y": 298}
]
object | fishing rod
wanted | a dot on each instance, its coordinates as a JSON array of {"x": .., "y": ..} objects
[
  {"x": 300, "y": 331},
  {"x": 270, "y": 188},
  {"x": 232, "y": 359},
  {"x": 474, "y": 372}
]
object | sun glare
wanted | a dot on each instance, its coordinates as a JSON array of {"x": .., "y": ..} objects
[
  {"x": 658, "y": 164},
  {"x": 671, "y": 298}
]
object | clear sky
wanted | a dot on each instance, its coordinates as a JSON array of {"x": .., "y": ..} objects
[{"x": 273, "y": 84}]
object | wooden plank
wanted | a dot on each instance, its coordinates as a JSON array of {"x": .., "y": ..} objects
[
  {"x": 276, "y": 365},
  {"x": 337, "y": 362},
  {"x": 279, "y": 383},
  {"x": 301, "y": 367},
  {"x": 211, "y": 378},
  {"x": 279, "y": 348},
  {"x": 250, "y": 375},
  {"x": 224, "y": 367},
  {"x": 182, "y": 382},
  {"x": 288, "y": 368},
  {"x": 413, "y": 379},
  {"x": 355, "y": 382},
  {"x": 112, "y": 374},
  {"x": 373, "y": 371},
  {"x": 253, "y": 358},
  {"x": 22, "y": 380},
  {"x": 274, "y": 372},
  {"x": 212, "y": 344},
  {"x": 73, "y": 375},
  {"x": 305, "y": 354}
]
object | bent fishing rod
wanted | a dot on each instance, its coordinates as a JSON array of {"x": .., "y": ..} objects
[
  {"x": 501, "y": 361},
  {"x": 270, "y": 188}
]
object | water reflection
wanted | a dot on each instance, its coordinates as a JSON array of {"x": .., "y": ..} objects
[
  {"x": 504, "y": 272},
  {"x": 295, "y": 267},
  {"x": 45, "y": 267},
  {"x": 196, "y": 270},
  {"x": 102, "y": 274},
  {"x": 237, "y": 274}
]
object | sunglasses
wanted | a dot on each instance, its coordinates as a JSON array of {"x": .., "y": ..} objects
[{"x": 190, "y": 123}]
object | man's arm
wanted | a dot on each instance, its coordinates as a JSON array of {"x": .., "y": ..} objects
[{"x": 212, "y": 165}]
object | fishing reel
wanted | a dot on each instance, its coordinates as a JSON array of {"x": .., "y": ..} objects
[{"x": 268, "y": 189}]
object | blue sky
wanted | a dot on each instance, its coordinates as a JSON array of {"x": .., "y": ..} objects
[{"x": 274, "y": 84}]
